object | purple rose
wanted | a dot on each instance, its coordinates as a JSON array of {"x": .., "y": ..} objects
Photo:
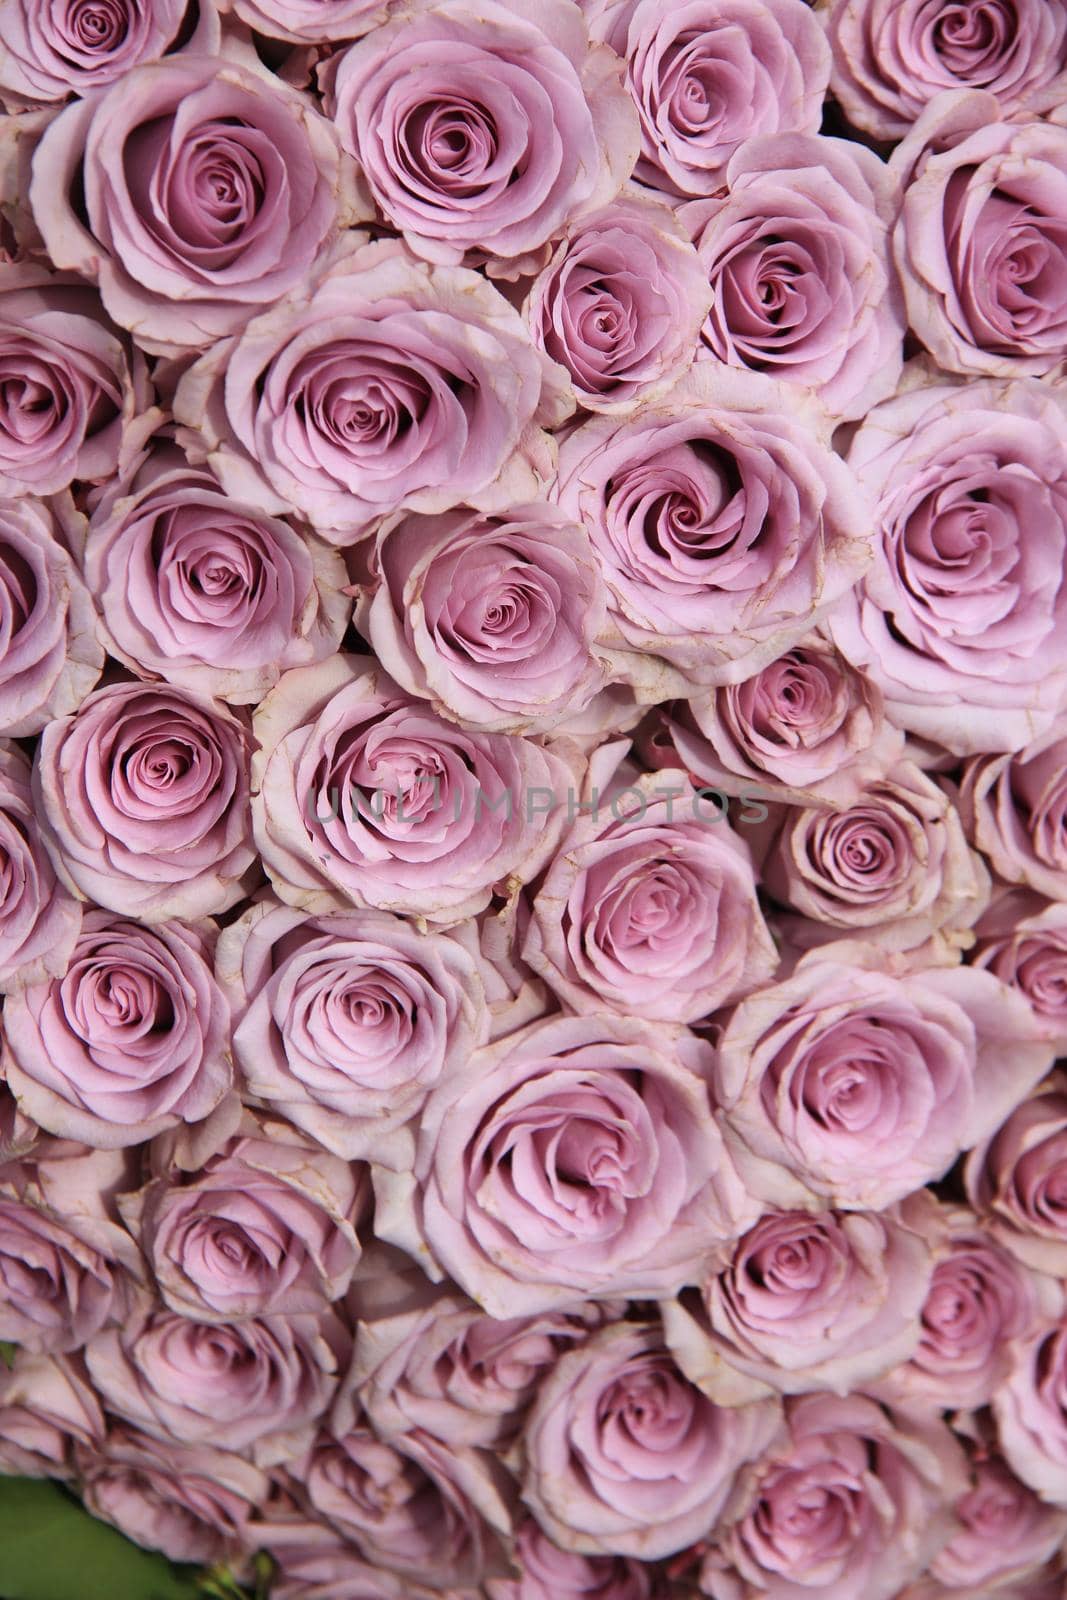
[
  {"x": 1022, "y": 939},
  {"x": 39, "y": 918},
  {"x": 549, "y": 1573},
  {"x": 313, "y": 21},
  {"x": 1015, "y": 808},
  {"x": 1017, "y": 1179},
  {"x": 50, "y": 50},
  {"x": 46, "y": 1408},
  {"x": 1031, "y": 1413},
  {"x": 1007, "y": 1533},
  {"x": 56, "y": 1290}
]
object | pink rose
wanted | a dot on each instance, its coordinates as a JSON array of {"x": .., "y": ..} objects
[
  {"x": 548, "y": 1573},
  {"x": 491, "y": 618},
  {"x": 649, "y": 908},
  {"x": 39, "y": 919},
  {"x": 962, "y": 620},
  {"x": 979, "y": 242},
  {"x": 577, "y": 1157},
  {"x": 143, "y": 798},
  {"x": 483, "y": 127},
  {"x": 313, "y": 21},
  {"x": 56, "y": 1290},
  {"x": 621, "y": 303},
  {"x": 1006, "y": 1534},
  {"x": 709, "y": 74},
  {"x": 204, "y": 591},
  {"x": 209, "y": 190},
  {"x": 846, "y": 1083},
  {"x": 386, "y": 385},
  {"x": 49, "y": 51},
  {"x": 365, "y": 797},
  {"x": 344, "y": 1023},
  {"x": 796, "y": 254},
  {"x": 723, "y": 526},
  {"x": 1017, "y": 1179},
  {"x": 1015, "y": 808},
  {"x": 1022, "y": 939},
  {"x": 622, "y": 1455},
  {"x": 1030, "y": 1407},
  {"x": 46, "y": 1408}
]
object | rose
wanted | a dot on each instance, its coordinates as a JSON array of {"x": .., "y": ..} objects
[
  {"x": 260, "y": 1384},
  {"x": 48, "y": 51},
  {"x": 143, "y": 801},
  {"x": 338, "y": 1574},
  {"x": 650, "y": 912},
  {"x": 723, "y": 526},
  {"x": 548, "y": 1573},
  {"x": 492, "y": 618},
  {"x": 895, "y": 863},
  {"x": 707, "y": 76},
  {"x": 1007, "y": 1534},
  {"x": 46, "y": 1406},
  {"x": 344, "y": 1023},
  {"x": 852, "y": 1501},
  {"x": 1022, "y": 939},
  {"x": 483, "y": 127},
  {"x": 620, "y": 304},
  {"x": 267, "y": 1226},
  {"x": 1017, "y": 1179},
  {"x": 132, "y": 1040},
  {"x": 191, "y": 1502},
  {"x": 576, "y": 1157},
  {"x": 1014, "y": 807},
  {"x": 311, "y": 20},
  {"x": 39, "y": 919},
  {"x": 204, "y": 591},
  {"x": 980, "y": 237},
  {"x": 891, "y": 57},
  {"x": 822, "y": 1300},
  {"x": 796, "y": 254},
  {"x": 209, "y": 190},
  {"x": 962, "y": 619},
  {"x": 365, "y": 797},
  {"x": 1030, "y": 1407},
  {"x": 56, "y": 1290},
  {"x": 70, "y": 385},
  {"x": 846, "y": 1083},
  {"x": 623, "y": 1455},
  {"x": 387, "y": 385}
]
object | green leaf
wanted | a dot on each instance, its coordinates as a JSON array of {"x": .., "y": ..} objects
[
  {"x": 52, "y": 1549},
  {"x": 8, "y": 1352}
]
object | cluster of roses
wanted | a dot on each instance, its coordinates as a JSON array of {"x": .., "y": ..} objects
[{"x": 533, "y": 798}]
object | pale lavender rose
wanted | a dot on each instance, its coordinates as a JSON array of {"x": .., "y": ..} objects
[
  {"x": 39, "y": 918},
  {"x": 56, "y": 1290},
  {"x": 194, "y": 191},
  {"x": 204, "y": 591},
  {"x": 724, "y": 525},
  {"x": 853, "y": 1501},
  {"x": 143, "y": 800},
  {"x": 72, "y": 385},
  {"x": 980, "y": 240},
  {"x": 621, "y": 303},
  {"x": 386, "y": 385},
  {"x": 1007, "y": 1534},
  {"x": 189, "y": 1501},
  {"x": 895, "y": 863},
  {"x": 483, "y": 127},
  {"x": 549, "y": 1573},
  {"x": 649, "y": 907},
  {"x": 622, "y": 1455},
  {"x": 493, "y": 619},
  {"x": 318, "y": 22},
  {"x": 808, "y": 1300},
  {"x": 1017, "y": 1180},
  {"x": 1015, "y": 808},
  {"x": 891, "y": 57},
  {"x": 1022, "y": 939},
  {"x": 344, "y": 1023},
  {"x": 962, "y": 620},
  {"x": 46, "y": 1408},
  {"x": 51, "y": 50},
  {"x": 130, "y": 1041},
  {"x": 366, "y": 797},
  {"x": 797, "y": 257},
  {"x": 849, "y": 1084},
  {"x": 1030, "y": 1408},
  {"x": 577, "y": 1157},
  {"x": 708, "y": 74},
  {"x": 266, "y": 1226}
]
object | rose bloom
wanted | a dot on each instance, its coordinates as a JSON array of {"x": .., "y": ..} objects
[
  {"x": 724, "y": 528},
  {"x": 483, "y": 127},
  {"x": 132, "y": 1040},
  {"x": 1030, "y": 1408},
  {"x": 809, "y": 1300},
  {"x": 204, "y": 591},
  {"x": 649, "y": 910},
  {"x": 709, "y": 74},
  {"x": 193, "y": 191},
  {"x": 39, "y": 918},
  {"x": 621, "y": 303},
  {"x": 852, "y": 1501},
  {"x": 72, "y": 384},
  {"x": 895, "y": 863},
  {"x": 344, "y": 1023},
  {"x": 1015, "y": 806},
  {"x": 1007, "y": 1534},
  {"x": 386, "y": 385},
  {"x": 855, "y": 1086},
  {"x": 979, "y": 242},
  {"x": 143, "y": 801},
  {"x": 623, "y": 1456},
  {"x": 1022, "y": 939},
  {"x": 365, "y": 797},
  {"x": 548, "y": 1573},
  {"x": 56, "y": 1290},
  {"x": 310, "y": 21},
  {"x": 1017, "y": 1179},
  {"x": 46, "y": 1408},
  {"x": 493, "y": 619},
  {"x": 576, "y": 1157},
  {"x": 962, "y": 620},
  {"x": 50, "y": 51}
]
